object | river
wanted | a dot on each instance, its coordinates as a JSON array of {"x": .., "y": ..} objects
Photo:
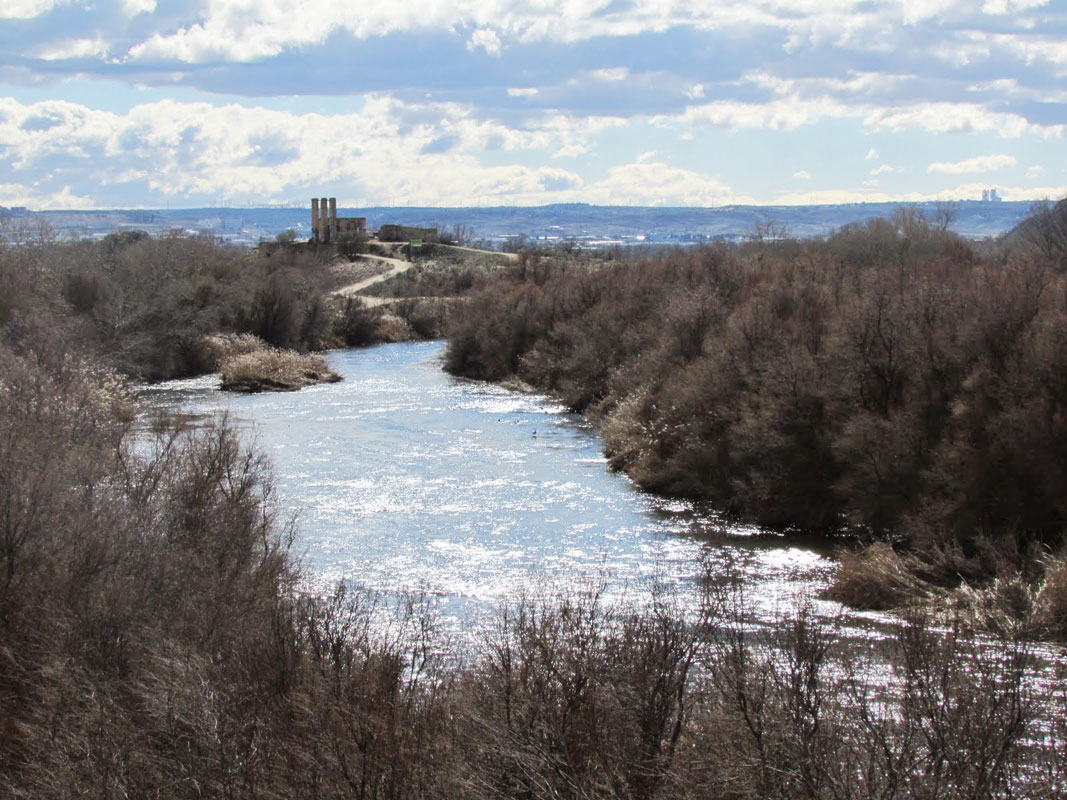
[{"x": 403, "y": 477}]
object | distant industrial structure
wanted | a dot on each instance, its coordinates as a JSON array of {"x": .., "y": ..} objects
[
  {"x": 991, "y": 196},
  {"x": 328, "y": 228}
]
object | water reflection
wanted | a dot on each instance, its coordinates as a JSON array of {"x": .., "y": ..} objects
[{"x": 403, "y": 477}]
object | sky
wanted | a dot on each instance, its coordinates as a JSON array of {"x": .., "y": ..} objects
[{"x": 181, "y": 103}]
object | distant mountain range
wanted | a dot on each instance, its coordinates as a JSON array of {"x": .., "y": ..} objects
[{"x": 587, "y": 225}]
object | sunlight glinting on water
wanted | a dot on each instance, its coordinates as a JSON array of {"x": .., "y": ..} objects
[{"x": 404, "y": 478}]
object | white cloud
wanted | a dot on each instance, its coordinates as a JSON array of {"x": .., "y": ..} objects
[
  {"x": 196, "y": 150},
  {"x": 1035, "y": 171},
  {"x": 571, "y": 150},
  {"x": 658, "y": 184},
  {"x": 611, "y": 74},
  {"x": 884, "y": 169},
  {"x": 75, "y": 48},
  {"x": 802, "y": 175},
  {"x": 791, "y": 112},
  {"x": 989, "y": 163},
  {"x": 487, "y": 39},
  {"x": 1018, "y": 63},
  {"x": 1010, "y": 6},
  {"x": 942, "y": 117},
  {"x": 28, "y": 9},
  {"x": 135, "y": 7},
  {"x": 781, "y": 114},
  {"x": 15, "y": 194}
]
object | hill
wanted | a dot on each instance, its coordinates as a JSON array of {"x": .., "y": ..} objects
[{"x": 586, "y": 224}]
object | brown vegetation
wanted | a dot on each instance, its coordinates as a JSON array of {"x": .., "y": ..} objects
[
  {"x": 178, "y": 306},
  {"x": 887, "y": 380},
  {"x": 154, "y": 641},
  {"x": 272, "y": 370}
]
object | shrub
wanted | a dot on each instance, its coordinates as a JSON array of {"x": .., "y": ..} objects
[
  {"x": 270, "y": 369},
  {"x": 887, "y": 379},
  {"x": 1050, "y": 604},
  {"x": 875, "y": 578}
]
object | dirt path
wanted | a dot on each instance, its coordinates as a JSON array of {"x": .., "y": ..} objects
[
  {"x": 396, "y": 266},
  {"x": 504, "y": 256}
]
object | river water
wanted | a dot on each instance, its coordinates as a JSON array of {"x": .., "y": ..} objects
[{"x": 405, "y": 478}]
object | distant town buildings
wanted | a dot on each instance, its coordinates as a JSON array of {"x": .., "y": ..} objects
[{"x": 990, "y": 196}]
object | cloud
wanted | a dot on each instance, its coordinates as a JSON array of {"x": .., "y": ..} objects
[
  {"x": 1035, "y": 171},
  {"x": 487, "y": 40},
  {"x": 611, "y": 74},
  {"x": 571, "y": 150},
  {"x": 884, "y": 169},
  {"x": 791, "y": 112},
  {"x": 28, "y": 9},
  {"x": 979, "y": 164},
  {"x": 658, "y": 184},
  {"x": 14, "y": 194},
  {"x": 802, "y": 175},
  {"x": 906, "y": 74},
  {"x": 426, "y": 153},
  {"x": 135, "y": 7},
  {"x": 75, "y": 49}
]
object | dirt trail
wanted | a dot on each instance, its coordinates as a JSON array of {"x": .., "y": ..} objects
[
  {"x": 505, "y": 256},
  {"x": 396, "y": 266}
]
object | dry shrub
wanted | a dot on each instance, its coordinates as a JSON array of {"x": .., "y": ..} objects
[
  {"x": 875, "y": 578},
  {"x": 573, "y": 698},
  {"x": 887, "y": 376},
  {"x": 1050, "y": 604},
  {"x": 1004, "y": 607},
  {"x": 794, "y": 711},
  {"x": 391, "y": 328},
  {"x": 219, "y": 347},
  {"x": 270, "y": 369},
  {"x": 348, "y": 272}
]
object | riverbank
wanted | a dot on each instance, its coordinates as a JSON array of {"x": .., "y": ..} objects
[{"x": 889, "y": 382}]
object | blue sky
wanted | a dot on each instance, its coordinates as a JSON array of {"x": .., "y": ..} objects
[{"x": 146, "y": 103}]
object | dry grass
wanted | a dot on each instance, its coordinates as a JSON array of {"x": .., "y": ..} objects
[
  {"x": 349, "y": 272},
  {"x": 1050, "y": 603},
  {"x": 875, "y": 578},
  {"x": 220, "y": 347},
  {"x": 391, "y": 328},
  {"x": 273, "y": 370}
]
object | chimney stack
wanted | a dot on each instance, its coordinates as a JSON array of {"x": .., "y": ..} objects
[{"x": 315, "y": 219}]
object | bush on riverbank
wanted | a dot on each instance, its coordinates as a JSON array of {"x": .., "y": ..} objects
[
  {"x": 271, "y": 370},
  {"x": 146, "y": 303},
  {"x": 887, "y": 379}
]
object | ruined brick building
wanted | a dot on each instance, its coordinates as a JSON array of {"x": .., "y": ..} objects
[{"x": 328, "y": 228}]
